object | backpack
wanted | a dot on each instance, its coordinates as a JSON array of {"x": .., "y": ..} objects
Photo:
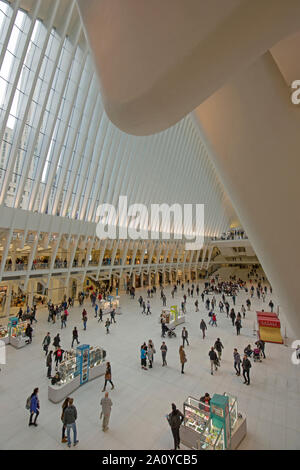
[
  {"x": 58, "y": 353},
  {"x": 28, "y": 402}
]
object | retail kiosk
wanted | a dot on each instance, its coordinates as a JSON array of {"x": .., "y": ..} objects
[
  {"x": 17, "y": 336},
  {"x": 5, "y": 331},
  {"x": 269, "y": 327},
  {"x": 111, "y": 303},
  {"x": 172, "y": 316},
  {"x": 217, "y": 426},
  {"x": 80, "y": 366}
]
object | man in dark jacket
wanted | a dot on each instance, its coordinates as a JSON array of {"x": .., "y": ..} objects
[
  {"x": 237, "y": 361},
  {"x": 75, "y": 336},
  {"x": 175, "y": 419},
  {"x": 238, "y": 325},
  {"x": 49, "y": 364},
  {"x": 28, "y": 333},
  {"x": 203, "y": 327},
  {"x": 56, "y": 341},
  {"x": 213, "y": 360},
  {"x": 184, "y": 336},
  {"x": 46, "y": 342},
  {"x": 218, "y": 347},
  {"x": 70, "y": 416},
  {"x": 246, "y": 364}
]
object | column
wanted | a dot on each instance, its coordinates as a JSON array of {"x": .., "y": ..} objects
[{"x": 252, "y": 130}]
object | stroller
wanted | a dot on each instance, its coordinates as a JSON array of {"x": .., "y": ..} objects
[
  {"x": 170, "y": 332},
  {"x": 257, "y": 355}
]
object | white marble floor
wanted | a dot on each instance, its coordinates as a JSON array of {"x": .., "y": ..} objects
[{"x": 142, "y": 398}]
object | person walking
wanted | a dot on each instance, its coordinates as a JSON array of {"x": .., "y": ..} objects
[
  {"x": 232, "y": 316},
  {"x": 56, "y": 341},
  {"x": 107, "y": 325},
  {"x": 227, "y": 308},
  {"x": 151, "y": 345},
  {"x": 218, "y": 347},
  {"x": 58, "y": 354},
  {"x": 184, "y": 336},
  {"x": 63, "y": 320},
  {"x": 214, "y": 319},
  {"x": 150, "y": 355},
  {"x": 144, "y": 357},
  {"x": 243, "y": 310},
  {"x": 213, "y": 360},
  {"x": 100, "y": 315},
  {"x": 148, "y": 308},
  {"x": 112, "y": 316},
  {"x": 49, "y": 365},
  {"x": 107, "y": 377},
  {"x": 164, "y": 350},
  {"x": 34, "y": 407},
  {"x": 246, "y": 364},
  {"x": 182, "y": 358},
  {"x": 237, "y": 361},
  {"x": 238, "y": 326},
  {"x": 84, "y": 319},
  {"x": 203, "y": 327},
  {"x": 197, "y": 305},
  {"x": 271, "y": 305},
  {"x": 96, "y": 310},
  {"x": 261, "y": 345},
  {"x": 46, "y": 342},
  {"x": 28, "y": 333},
  {"x": 75, "y": 336},
  {"x": 70, "y": 416},
  {"x": 175, "y": 419},
  {"x": 106, "y": 405},
  {"x": 63, "y": 432}
]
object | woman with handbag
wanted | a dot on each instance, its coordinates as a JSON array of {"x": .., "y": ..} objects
[
  {"x": 182, "y": 357},
  {"x": 108, "y": 377}
]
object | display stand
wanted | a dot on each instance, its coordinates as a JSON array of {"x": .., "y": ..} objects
[
  {"x": 4, "y": 335},
  {"x": 111, "y": 303},
  {"x": 217, "y": 426},
  {"x": 86, "y": 364},
  {"x": 18, "y": 341},
  {"x": 219, "y": 412},
  {"x": 17, "y": 337},
  {"x": 172, "y": 316}
]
